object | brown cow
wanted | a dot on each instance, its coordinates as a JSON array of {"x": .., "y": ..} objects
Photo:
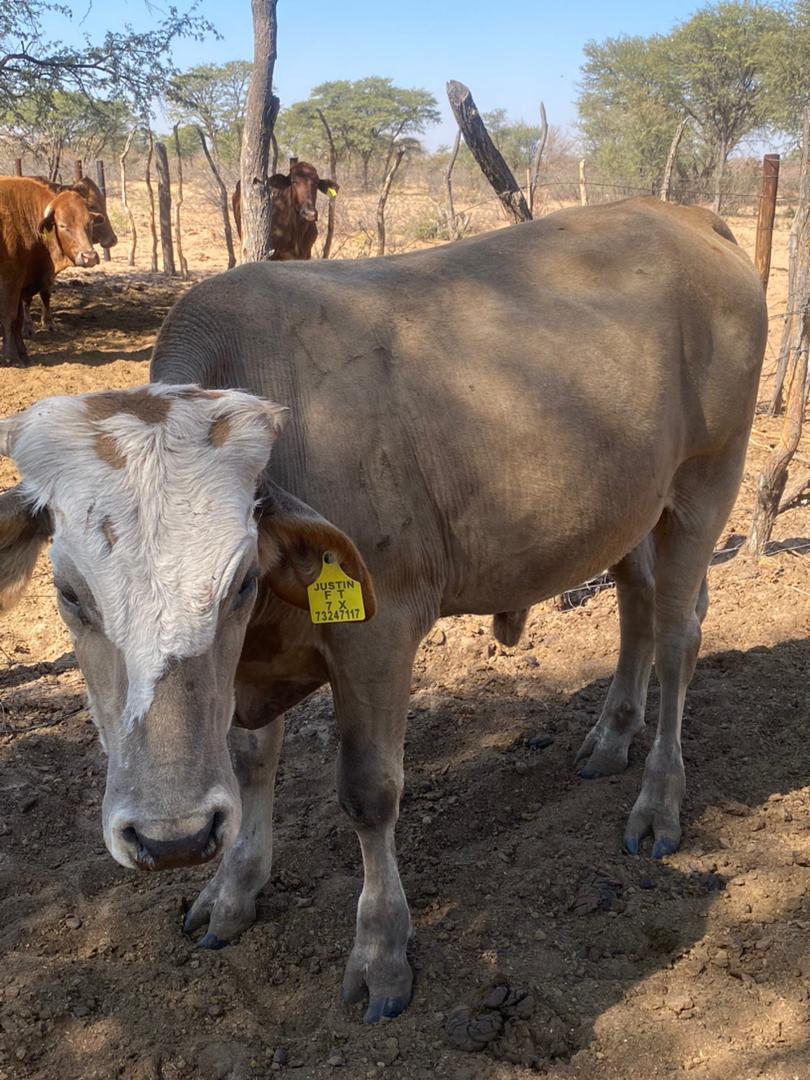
[
  {"x": 41, "y": 233},
  {"x": 102, "y": 233},
  {"x": 293, "y": 228}
]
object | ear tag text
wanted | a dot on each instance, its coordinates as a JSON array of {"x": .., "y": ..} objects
[{"x": 334, "y": 597}]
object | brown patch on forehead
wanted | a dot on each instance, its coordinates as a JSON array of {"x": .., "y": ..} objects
[
  {"x": 194, "y": 393},
  {"x": 110, "y": 535},
  {"x": 219, "y": 431},
  {"x": 150, "y": 408},
  {"x": 108, "y": 451}
]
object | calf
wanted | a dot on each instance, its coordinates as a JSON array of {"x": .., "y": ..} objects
[
  {"x": 473, "y": 428},
  {"x": 41, "y": 233},
  {"x": 102, "y": 233},
  {"x": 293, "y": 227}
]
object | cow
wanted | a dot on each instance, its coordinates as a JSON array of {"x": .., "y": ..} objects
[
  {"x": 102, "y": 233},
  {"x": 471, "y": 429},
  {"x": 293, "y": 227},
  {"x": 41, "y": 233}
]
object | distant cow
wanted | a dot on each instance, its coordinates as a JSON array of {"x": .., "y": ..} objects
[
  {"x": 293, "y": 228},
  {"x": 41, "y": 233},
  {"x": 102, "y": 233}
]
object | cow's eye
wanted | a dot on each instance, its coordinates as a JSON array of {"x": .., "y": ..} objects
[
  {"x": 70, "y": 602},
  {"x": 248, "y": 586}
]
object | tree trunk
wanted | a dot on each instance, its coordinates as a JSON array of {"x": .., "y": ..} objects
[
  {"x": 178, "y": 236},
  {"x": 765, "y": 217},
  {"x": 384, "y": 192},
  {"x": 719, "y": 173},
  {"x": 330, "y": 210},
  {"x": 452, "y": 224},
  {"x": 583, "y": 185},
  {"x": 133, "y": 232},
  {"x": 223, "y": 201},
  {"x": 261, "y": 109},
  {"x": 165, "y": 207},
  {"x": 771, "y": 481},
  {"x": 670, "y": 165},
  {"x": 534, "y": 167},
  {"x": 78, "y": 172},
  {"x": 101, "y": 180},
  {"x": 798, "y": 271},
  {"x": 151, "y": 195},
  {"x": 486, "y": 152}
]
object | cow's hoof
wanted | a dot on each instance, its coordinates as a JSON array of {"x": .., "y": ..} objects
[
  {"x": 211, "y": 941},
  {"x": 224, "y": 915},
  {"x": 663, "y": 824},
  {"x": 388, "y": 986},
  {"x": 603, "y": 754},
  {"x": 384, "y": 1009}
]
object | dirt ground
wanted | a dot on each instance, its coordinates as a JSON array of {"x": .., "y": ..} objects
[{"x": 637, "y": 970}]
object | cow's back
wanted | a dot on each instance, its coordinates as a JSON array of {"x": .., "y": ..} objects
[{"x": 530, "y": 387}]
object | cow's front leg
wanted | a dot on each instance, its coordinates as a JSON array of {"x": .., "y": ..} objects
[
  {"x": 371, "y": 687},
  {"x": 228, "y": 902}
]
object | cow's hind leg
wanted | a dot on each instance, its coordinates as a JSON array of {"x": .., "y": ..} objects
[
  {"x": 371, "y": 685},
  {"x": 228, "y": 902},
  {"x": 703, "y": 494},
  {"x": 607, "y": 744}
]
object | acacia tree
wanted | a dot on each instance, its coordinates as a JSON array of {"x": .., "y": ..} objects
[
  {"x": 261, "y": 110},
  {"x": 124, "y": 63},
  {"x": 45, "y": 125},
  {"x": 213, "y": 97},
  {"x": 716, "y": 69},
  {"x": 368, "y": 117}
]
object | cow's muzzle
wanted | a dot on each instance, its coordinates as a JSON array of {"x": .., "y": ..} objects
[
  {"x": 87, "y": 258},
  {"x": 166, "y": 854},
  {"x": 308, "y": 214}
]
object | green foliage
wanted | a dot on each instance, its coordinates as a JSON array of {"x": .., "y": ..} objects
[
  {"x": 45, "y": 125},
  {"x": 516, "y": 141},
  {"x": 213, "y": 96},
  {"x": 122, "y": 64},
  {"x": 731, "y": 70},
  {"x": 366, "y": 117}
]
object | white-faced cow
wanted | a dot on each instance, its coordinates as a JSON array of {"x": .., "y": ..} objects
[
  {"x": 41, "y": 233},
  {"x": 472, "y": 428}
]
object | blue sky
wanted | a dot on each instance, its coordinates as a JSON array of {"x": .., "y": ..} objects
[{"x": 532, "y": 52}]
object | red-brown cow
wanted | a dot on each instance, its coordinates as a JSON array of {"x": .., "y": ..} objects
[
  {"x": 101, "y": 231},
  {"x": 41, "y": 233},
  {"x": 293, "y": 228}
]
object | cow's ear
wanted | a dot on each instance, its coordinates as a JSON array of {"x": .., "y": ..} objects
[
  {"x": 329, "y": 187},
  {"x": 47, "y": 219},
  {"x": 293, "y": 540},
  {"x": 279, "y": 180},
  {"x": 23, "y": 531}
]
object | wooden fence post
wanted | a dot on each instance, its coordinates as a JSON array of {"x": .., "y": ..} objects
[
  {"x": 77, "y": 170},
  {"x": 18, "y": 166},
  {"x": 133, "y": 232},
  {"x": 486, "y": 153},
  {"x": 767, "y": 212},
  {"x": 101, "y": 180},
  {"x": 670, "y": 165},
  {"x": 164, "y": 207},
  {"x": 583, "y": 184}
]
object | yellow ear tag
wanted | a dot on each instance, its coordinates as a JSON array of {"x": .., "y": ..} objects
[
  {"x": 330, "y": 191},
  {"x": 335, "y": 597}
]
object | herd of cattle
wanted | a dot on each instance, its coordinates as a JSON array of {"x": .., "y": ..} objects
[
  {"x": 470, "y": 429},
  {"x": 46, "y": 227}
]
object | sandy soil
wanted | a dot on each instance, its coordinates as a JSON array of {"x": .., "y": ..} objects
[{"x": 698, "y": 964}]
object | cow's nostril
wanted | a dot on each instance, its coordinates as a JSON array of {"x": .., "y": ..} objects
[{"x": 199, "y": 847}]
